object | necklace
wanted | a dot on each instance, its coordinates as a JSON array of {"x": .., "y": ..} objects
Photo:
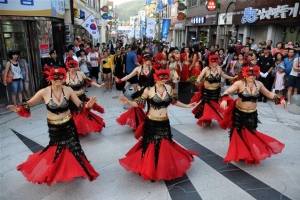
[
  {"x": 73, "y": 79},
  {"x": 161, "y": 94},
  {"x": 57, "y": 97},
  {"x": 250, "y": 87}
]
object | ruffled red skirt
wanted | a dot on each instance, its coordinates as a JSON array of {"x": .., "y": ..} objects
[
  {"x": 157, "y": 156},
  {"x": 196, "y": 70},
  {"x": 251, "y": 147},
  {"x": 133, "y": 117},
  {"x": 172, "y": 163},
  {"x": 185, "y": 73},
  {"x": 87, "y": 123},
  {"x": 39, "y": 167}
]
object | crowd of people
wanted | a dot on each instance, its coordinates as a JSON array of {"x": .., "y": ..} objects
[{"x": 152, "y": 68}]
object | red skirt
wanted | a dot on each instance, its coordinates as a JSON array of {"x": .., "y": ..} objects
[
  {"x": 251, "y": 147},
  {"x": 39, "y": 167},
  {"x": 87, "y": 123},
  {"x": 61, "y": 161},
  {"x": 157, "y": 156},
  {"x": 185, "y": 72},
  {"x": 133, "y": 117},
  {"x": 196, "y": 70}
]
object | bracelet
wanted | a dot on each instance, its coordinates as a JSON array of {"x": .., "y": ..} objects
[{"x": 278, "y": 100}]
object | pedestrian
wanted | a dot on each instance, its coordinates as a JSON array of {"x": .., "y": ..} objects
[
  {"x": 25, "y": 79},
  {"x": 93, "y": 55},
  {"x": 119, "y": 70},
  {"x": 17, "y": 81},
  {"x": 279, "y": 82},
  {"x": 131, "y": 64},
  {"x": 240, "y": 116},
  {"x": 156, "y": 155},
  {"x": 63, "y": 159}
]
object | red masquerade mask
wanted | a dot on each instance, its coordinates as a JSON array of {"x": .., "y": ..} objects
[
  {"x": 214, "y": 59},
  {"x": 162, "y": 75},
  {"x": 71, "y": 64},
  {"x": 247, "y": 71},
  {"x": 54, "y": 75}
]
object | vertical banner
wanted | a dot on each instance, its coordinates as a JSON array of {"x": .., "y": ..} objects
[
  {"x": 143, "y": 31},
  {"x": 90, "y": 25},
  {"x": 165, "y": 28},
  {"x": 148, "y": 2},
  {"x": 150, "y": 27}
]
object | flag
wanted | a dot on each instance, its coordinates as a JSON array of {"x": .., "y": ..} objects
[
  {"x": 150, "y": 28},
  {"x": 90, "y": 25}
]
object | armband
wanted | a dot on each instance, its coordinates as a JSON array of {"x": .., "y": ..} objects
[
  {"x": 140, "y": 100},
  {"x": 87, "y": 81},
  {"x": 278, "y": 100},
  {"x": 174, "y": 100},
  {"x": 24, "y": 109},
  {"x": 82, "y": 108},
  {"x": 119, "y": 81}
]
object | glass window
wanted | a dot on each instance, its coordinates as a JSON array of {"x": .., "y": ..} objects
[{"x": 192, "y": 3}]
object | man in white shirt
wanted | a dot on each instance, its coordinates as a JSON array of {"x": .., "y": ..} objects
[{"x": 94, "y": 62}]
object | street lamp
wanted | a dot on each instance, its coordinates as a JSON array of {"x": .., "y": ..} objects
[{"x": 225, "y": 23}]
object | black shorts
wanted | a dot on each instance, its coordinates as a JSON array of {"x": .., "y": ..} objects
[
  {"x": 293, "y": 81},
  {"x": 106, "y": 70},
  {"x": 133, "y": 80}
]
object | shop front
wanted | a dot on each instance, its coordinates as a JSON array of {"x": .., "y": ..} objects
[
  {"x": 202, "y": 28},
  {"x": 179, "y": 33},
  {"x": 25, "y": 30},
  {"x": 275, "y": 20}
]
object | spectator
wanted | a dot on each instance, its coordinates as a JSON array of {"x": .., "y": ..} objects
[
  {"x": 246, "y": 51},
  {"x": 131, "y": 63},
  {"x": 266, "y": 64},
  {"x": 270, "y": 43},
  {"x": 294, "y": 79},
  {"x": 70, "y": 53},
  {"x": 25, "y": 75},
  {"x": 278, "y": 48},
  {"x": 81, "y": 47},
  {"x": 247, "y": 41},
  {"x": 253, "y": 46},
  {"x": 53, "y": 61},
  {"x": 238, "y": 46},
  {"x": 279, "y": 82},
  {"x": 289, "y": 61},
  {"x": 182, "y": 47},
  {"x": 93, "y": 55}
]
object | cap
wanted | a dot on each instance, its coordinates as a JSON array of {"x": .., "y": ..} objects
[
  {"x": 78, "y": 37},
  {"x": 268, "y": 47},
  {"x": 239, "y": 40},
  {"x": 52, "y": 51},
  {"x": 282, "y": 66}
]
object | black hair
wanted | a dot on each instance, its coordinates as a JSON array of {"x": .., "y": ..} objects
[{"x": 13, "y": 52}]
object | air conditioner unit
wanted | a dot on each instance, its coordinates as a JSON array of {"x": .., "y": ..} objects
[{"x": 68, "y": 38}]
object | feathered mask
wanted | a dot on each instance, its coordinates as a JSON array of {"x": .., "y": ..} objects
[
  {"x": 214, "y": 59},
  {"x": 56, "y": 74},
  {"x": 251, "y": 71},
  {"x": 71, "y": 63},
  {"x": 162, "y": 75}
]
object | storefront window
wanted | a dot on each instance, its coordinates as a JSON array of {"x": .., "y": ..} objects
[{"x": 44, "y": 31}]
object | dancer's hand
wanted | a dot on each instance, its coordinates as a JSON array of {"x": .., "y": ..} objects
[
  {"x": 191, "y": 105},
  {"x": 99, "y": 86},
  {"x": 124, "y": 100},
  {"x": 13, "y": 108},
  {"x": 91, "y": 102},
  {"x": 283, "y": 103},
  {"x": 223, "y": 105}
]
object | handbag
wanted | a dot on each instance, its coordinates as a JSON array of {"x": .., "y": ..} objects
[{"x": 9, "y": 76}]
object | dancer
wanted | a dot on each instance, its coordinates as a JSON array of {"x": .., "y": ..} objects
[
  {"x": 135, "y": 115},
  {"x": 246, "y": 143},
  {"x": 63, "y": 159},
  {"x": 186, "y": 59},
  {"x": 77, "y": 80},
  {"x": 156, "y": 155},
  {"x": 209, "y": 94},
  {"x": 162, "y": 57}
]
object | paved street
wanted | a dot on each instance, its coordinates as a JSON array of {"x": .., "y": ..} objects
[{"x": 277, "y": 177}]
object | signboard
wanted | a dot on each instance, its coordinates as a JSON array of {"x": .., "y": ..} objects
[
  {"x": 33, "y": 8},
  {"x": 252, "y": 15},
  {"x": 198, "y": 20},
  {"x": 150, "y": 28},
  {"x": 44, "y": 50}
]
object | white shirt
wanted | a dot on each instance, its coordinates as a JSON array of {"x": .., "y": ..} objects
[
  {"x": 293, "y": 72},
  {"x": 94, "y": 63}
]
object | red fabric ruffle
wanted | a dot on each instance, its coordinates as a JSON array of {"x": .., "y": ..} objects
[
  {"x": 252, "y": 148},
  {"x": 159, "y": 56},
  {"x": 139, "y": 131},
  {"x": 173, "y": 161},
  {"x": 133, "y": 117},
  {"x": 196, "y": 70},
  {"x": 88, "y": 83},
  {"x": 198, "y": 96},
  {"x": 23, "y": 112},
  {"x": 39, "y": 168},
  {"x": 96, "y": 106},
  {"x": 185, "y": 72},
  {"x": 88, "y": 122},
  {"x": 227, "y": 114},
  {"x": 210, "y": 114}
]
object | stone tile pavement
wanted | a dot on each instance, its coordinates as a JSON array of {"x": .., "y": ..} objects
[{"x": 280, "y": 173}]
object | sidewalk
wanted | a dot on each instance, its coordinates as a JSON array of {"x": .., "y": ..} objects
[{"x": 208, "y": 177}]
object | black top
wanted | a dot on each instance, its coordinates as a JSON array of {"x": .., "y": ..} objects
[
  {"x": 246, "y": 96},
  {"x": 265, "y": 63},
  {"x": 156, "y": 102},
  {"x": 213, "y": 78},
  {"x": 75, "y": 86},
  {"x": 57, "y": 109},
  {"x": 54, "y": 63}
]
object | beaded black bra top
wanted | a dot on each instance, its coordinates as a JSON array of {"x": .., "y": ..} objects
[
  {"x": 157, "y": 102},
  {"x": 57, "y": 109},
  {"x": 213, "y": 78},
  {"x": 245, "y": 95},
  {"x": 75, "y": 86}
]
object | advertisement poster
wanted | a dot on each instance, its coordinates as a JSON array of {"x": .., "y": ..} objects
[
  {"x": 165, "y": 28},
  {"x": 150, "y": 28},
  {"x": 44, "y": 50}
]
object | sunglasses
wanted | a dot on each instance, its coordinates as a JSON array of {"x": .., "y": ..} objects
[{"x": 58, "y": 76}]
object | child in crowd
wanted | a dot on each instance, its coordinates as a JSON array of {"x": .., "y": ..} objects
[{"x": 279, "y": 82}]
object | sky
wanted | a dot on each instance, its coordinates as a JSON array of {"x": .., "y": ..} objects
[{"x": 116, "y": 2}]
